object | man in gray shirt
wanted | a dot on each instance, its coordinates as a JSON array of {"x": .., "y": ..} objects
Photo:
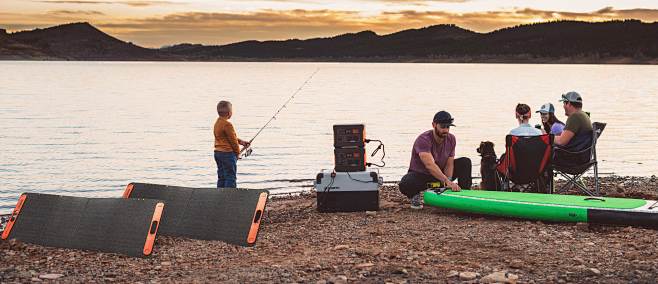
[{"x": 577, "y": 134}]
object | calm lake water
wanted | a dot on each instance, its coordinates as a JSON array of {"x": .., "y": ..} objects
[{"x": 90, "y": 128}]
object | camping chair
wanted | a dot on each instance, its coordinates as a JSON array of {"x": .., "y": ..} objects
[
  {"x": 580, "y": 162},
  {"x": 527, "y": 163}
]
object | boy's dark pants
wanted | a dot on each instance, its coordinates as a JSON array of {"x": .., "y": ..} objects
[
  {"x": 226, "y": 169},
  {"x": 412, "y": 183}
]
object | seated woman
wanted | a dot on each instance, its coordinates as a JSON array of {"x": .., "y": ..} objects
[
  {"x": 525, "y": 161},
  {"x": 550, "y": 123},
  {"x": 523, "y": 115}
]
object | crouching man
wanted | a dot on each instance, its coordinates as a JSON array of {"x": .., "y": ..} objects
[{"x": 433, "y": 159}]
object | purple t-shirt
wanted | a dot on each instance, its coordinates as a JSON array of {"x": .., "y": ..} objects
[
  {"x": 557, "y": 128},
  {"x": 441, "y": 152}
]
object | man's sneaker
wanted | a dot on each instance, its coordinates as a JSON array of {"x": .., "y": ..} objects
[{"x": 416, "y": 202}]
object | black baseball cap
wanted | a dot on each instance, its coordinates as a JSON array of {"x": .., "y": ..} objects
[{"x": 443, "y": 117}]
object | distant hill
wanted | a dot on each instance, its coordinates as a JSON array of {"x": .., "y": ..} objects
[
  {"x": 629, "y": 41},
  {"x": 77, "y": 41}
]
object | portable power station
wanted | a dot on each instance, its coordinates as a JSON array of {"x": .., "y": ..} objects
[
  {"x": 352, "y": 159},
  {"x": 349, "y": 135}
]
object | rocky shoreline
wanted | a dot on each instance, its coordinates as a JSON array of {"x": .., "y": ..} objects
[{"x": 393, "y": 245}]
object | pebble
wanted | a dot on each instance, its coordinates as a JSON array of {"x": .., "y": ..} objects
[
  {"x": 400, "y": 271},
  {"x": 371, "y": 213},
  {"x": 364, "y": 265},
  {"x": 51, "y": 276},
  {"x": 467, "y": 275},
  {"x": 500, "y": 277},
  {"x": 516, "y": 264},
  {"x": 340, "y": 279},
  {"x": 582, "y": 225},
  {"x": 595, "y": 271},
  {"x": 452, "y": 273},
  {"x": 339, "y": 247},
  {"x": 620, "y": 187}
]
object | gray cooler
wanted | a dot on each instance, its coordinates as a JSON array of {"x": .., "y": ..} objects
[{"x": 348, "y": 191}]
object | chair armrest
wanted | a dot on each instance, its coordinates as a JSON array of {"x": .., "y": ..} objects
[{"x": 562, "y": 150}]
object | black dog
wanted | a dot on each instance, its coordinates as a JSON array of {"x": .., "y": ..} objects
[{"x": 490, "y": 180}]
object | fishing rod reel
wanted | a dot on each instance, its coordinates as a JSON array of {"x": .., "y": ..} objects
[{"x": 245, "y": 152}]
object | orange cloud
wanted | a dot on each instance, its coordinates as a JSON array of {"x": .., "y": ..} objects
[
  {"x": 137, "y": 3},
  {"x": 74, "y": 12}
]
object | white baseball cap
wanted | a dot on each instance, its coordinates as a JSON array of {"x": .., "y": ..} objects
[{"x": 546, "y": 108}]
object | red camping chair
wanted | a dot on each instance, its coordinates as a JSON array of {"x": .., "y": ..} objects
[{"x": 527, "y": 163}]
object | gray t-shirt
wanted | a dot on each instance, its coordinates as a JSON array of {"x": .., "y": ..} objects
[
  {"x": 579, "y": 123},
  {"x": 441, "y": 152}
]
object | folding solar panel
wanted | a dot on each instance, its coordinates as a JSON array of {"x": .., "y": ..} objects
[
  {"x": 227, "y": 214},
  {"x": 117, "y": 225}
]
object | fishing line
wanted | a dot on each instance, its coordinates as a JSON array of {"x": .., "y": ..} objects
[{"x": 246, "y": 151}]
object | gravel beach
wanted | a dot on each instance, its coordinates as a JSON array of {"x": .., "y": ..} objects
[{"x": 393, "y": 245}]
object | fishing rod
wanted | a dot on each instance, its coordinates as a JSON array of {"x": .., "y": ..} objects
[{"x": 246, "y": 151}]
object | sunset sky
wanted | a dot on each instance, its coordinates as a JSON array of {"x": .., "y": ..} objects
[{"x": 161, "y": 22}]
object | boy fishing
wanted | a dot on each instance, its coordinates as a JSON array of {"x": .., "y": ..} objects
[{"x": 227, "y": 147}]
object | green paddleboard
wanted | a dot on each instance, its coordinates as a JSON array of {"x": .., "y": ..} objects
[{"x": 549, "y": 207}]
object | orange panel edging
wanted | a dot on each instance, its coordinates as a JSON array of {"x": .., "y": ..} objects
[
  {"x": 14, "y": 216},
  {"x": 255, "y": 224},
  {"x": 153, "y": 229}
]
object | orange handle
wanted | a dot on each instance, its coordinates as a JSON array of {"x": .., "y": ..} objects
[
  {"x": 153, "y": 228},
  {"x": 14, "y": 215},
  {"x": 255, "y": 221},
  {"x": 128, "y": 191}
]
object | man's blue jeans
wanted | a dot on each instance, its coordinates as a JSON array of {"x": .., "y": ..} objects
[{"x": 226, "y": 169}]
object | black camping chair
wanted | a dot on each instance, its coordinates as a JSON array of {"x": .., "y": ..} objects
[
  {"x": 527, "y": 163},
  {"x": 572, "y": 165}
]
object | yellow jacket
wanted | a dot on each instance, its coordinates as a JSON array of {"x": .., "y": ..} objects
[{"x": 226, "y": 140}]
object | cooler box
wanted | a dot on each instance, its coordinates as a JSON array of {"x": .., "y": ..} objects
[{"x": 348, "y": 191}]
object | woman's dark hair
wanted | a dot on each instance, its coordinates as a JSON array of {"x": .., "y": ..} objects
[
  {"x": 552, "y": 119},
  {"x": 523, "y": 110}
]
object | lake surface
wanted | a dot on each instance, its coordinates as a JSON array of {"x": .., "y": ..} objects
[{"x": 90, "y": 128}]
